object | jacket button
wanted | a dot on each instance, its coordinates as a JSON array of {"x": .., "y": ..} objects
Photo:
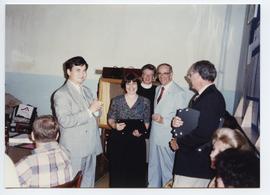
[{"x": 199, "y": 149}]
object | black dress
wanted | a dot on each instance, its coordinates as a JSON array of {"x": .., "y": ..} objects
[
  {"x": 127, "y": 153},
  {"x": 150, "y": 94}
]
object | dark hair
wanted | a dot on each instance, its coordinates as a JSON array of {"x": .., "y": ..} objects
[
  {"x": 75, "y": 61},
  {"x": 205, "y": 69},
  {"x": 150, "y": 67},
  {"x": 45, "y": 128},
  {"x": 128, "y": 78},
  {"x": 238, "y": 168},
  {"x": 165, "y": 64}
]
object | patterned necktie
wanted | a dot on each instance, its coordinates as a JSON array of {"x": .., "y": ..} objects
[{"x": 160, "y": 95}]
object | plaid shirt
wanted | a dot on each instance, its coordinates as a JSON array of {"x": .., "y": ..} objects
[{"x": 49, "y": 165}]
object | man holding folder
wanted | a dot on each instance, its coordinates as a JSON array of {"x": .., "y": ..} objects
[{"x": 192, "y": 162}]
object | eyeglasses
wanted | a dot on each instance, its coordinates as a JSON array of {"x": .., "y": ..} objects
[
  {"x": 190, "y": 74},
  {"x": 163, "y": 73}
]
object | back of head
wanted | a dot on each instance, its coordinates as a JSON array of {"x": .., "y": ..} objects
[
  {"x": 45, "y": 128},
  {"x": 238, "y": 168},
  {"x": 205, "y": 69},
  {"x": 233, "y": 137}
]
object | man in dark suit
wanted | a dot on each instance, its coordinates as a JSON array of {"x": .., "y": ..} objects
[{"x": 192, "y": 162}]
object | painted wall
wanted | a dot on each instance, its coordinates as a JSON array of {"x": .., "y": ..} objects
[{"x": 39, "y": 38}]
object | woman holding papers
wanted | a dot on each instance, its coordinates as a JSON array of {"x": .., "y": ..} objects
[{"x": 126, "y": 145}]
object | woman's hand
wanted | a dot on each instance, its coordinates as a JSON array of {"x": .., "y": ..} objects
[
  {"x": 136, "y": 133},
  {"x": 120, "y": 126},
  {"x": 177, "y": 122}
]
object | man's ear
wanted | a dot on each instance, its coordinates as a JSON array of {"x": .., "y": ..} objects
[
  {"x": 57, "y": 136},
  {"x": 32, "y": 136},
  {"x": 68, "y": 72}
]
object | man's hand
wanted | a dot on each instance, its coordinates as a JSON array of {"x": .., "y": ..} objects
[
  {"x": 173, "y": 144},
  {"x": 177, "y": 122},
  {"x": 158, "y": 118},
  {"x": 95, "y": 106}
]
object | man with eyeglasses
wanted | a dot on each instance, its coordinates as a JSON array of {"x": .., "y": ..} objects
[
  {"x": 168, "y": 98},
  {"x": 192, "y": 162}
]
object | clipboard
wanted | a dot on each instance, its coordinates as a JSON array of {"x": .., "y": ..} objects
[
  {"x": 190, "y": 117},
  {"x": 132, "y": 124}
]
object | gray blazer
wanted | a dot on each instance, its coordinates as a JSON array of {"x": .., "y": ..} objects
[
  {"x": 79, "y": 131},
  {"x": 173, "y": 99}
]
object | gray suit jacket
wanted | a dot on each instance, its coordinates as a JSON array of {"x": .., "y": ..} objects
[
  {"x": 79, "y": 131},
  {"x": 173, "y": 99}
]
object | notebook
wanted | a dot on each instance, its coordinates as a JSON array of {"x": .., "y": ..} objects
[
  {"x": 132, "y": 124},
  {"x": 190, "y": 117}
]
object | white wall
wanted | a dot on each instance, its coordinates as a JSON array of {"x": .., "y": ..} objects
[{"x": 39, "y": 38}]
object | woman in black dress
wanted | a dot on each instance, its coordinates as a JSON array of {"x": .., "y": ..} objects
[{"x": 126, "y": 145}]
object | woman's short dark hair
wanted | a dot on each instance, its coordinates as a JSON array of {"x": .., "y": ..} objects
[
  {"x": 128, "y": 78},
  {"x": 205, "y": 69},
  {"x": 45, "y": 128}
]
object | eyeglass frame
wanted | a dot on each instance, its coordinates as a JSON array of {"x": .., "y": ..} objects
[{"x": 164, "y": 73}]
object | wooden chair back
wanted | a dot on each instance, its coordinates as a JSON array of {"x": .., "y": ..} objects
[{"x": 75, "y": 183}]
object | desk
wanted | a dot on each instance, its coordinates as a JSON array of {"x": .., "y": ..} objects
[{"x": 16, "y": 153}]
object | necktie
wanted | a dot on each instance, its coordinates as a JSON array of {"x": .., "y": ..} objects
[
  {"x": 196, "y": 97},
  {"x": 160, "y": 95}
]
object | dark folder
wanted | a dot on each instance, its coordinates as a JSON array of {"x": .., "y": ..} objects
[
  {"x": 190, "y": 117},
  {"x": 132, "y": 124}
]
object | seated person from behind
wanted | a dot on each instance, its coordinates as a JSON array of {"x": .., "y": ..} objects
[
  {"x": 237, "y": 169},
  {"x": 225, "y": 138},
  {"x": 49, "y": 164}
]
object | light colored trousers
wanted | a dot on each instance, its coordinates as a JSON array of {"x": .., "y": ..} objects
[
  {"x": 88, "y": 167},
  {"x": 160, "y": 165},
  {"x": 181, "y": 181}
]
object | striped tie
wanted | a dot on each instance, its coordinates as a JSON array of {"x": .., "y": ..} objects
[{"x": 160, "y": 95}]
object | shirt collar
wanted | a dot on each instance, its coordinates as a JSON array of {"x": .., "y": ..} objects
[
  {"x": 166, "y": 87},
  {"x": 146, "y": 86},
  {"x": 204, "y": 88},
  {"x": 45, "y": 147},
  {"x": 77, "y": 87}
]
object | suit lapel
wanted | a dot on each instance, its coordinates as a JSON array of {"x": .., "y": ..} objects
[
  {"x": 205, "y": 92},
  {"x": 166, "y": 94},
  {"x": 77, "y": 97}
]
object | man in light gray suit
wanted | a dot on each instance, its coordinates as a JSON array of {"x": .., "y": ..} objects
[
  {"x": 77, "y": 109},
  {"x": 169, "y": 97}
]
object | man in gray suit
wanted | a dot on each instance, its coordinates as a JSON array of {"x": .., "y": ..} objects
[
  {"x": 168, "y": 98},
  {"x": 77, "y": 109}
]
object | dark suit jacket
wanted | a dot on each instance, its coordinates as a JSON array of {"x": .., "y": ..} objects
[{"x": 192, "y": 159}]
